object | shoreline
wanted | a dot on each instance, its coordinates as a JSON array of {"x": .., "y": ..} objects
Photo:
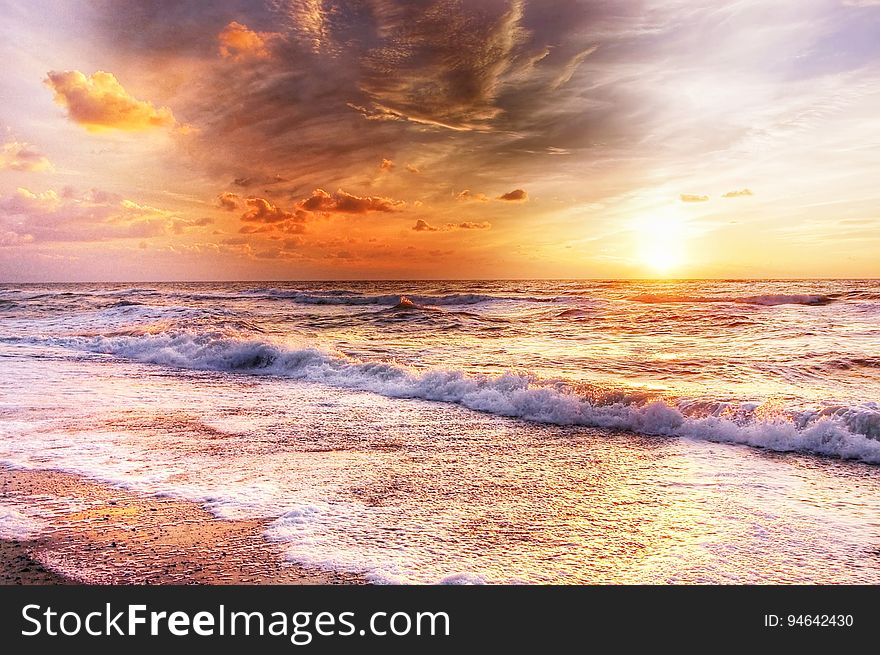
[{"x": 115, "y": 536}]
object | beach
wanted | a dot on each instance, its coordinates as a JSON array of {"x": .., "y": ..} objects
[{"x": 128, "y": 538}]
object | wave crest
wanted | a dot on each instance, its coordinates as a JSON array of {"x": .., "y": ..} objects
[{"x": 849, "y": 433}]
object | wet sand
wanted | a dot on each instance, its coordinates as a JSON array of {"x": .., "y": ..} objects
[{"x": 119, "y": 537}]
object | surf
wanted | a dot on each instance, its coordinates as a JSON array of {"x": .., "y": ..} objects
[{"x": 842, "y": 432}]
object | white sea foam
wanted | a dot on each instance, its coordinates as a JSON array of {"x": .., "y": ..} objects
[
  {"x": 838, "y": 432},
  {"x": 14, "y": 524}
]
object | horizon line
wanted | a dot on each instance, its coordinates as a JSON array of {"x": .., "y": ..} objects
[{"x": 486, "y": 279}]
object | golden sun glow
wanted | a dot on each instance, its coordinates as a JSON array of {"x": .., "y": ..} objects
[{"x": 660, "y": 242}]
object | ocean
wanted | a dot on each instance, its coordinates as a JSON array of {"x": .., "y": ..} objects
[{"x": 465, "y": 432}]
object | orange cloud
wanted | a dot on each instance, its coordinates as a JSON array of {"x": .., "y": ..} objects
[
  {"x": 386, "y": 165},
  {"x": 345, "y": 203},
  {"x": 15, "y": 156},
  {"x": 263, "y": 211},
  {"x": 738, "y": 194},
  {"x": 470, "y": 195},
  {"x": 229, "y": 201},
  {"x": 239, "y": 42},
  {"x": 690, "y": 197},
  {"x": 99, "y": 103},
  {"x": 181, "y": 225},
  {"x": 256, "y": 229},
  {"x": 423, "y": 226},
  {"x": 517, "y": 195},
  {"x": 413, "y": 169}
]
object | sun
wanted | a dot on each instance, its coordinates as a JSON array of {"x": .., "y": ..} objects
[
  {"x": 662, "y": 258},
  {"x": 661, "y": 242}
]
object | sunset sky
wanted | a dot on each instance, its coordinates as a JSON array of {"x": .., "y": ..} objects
[{"x": 322, "y": 139}]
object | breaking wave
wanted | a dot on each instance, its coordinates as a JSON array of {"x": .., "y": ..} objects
[{"x": 844, "y": 432}]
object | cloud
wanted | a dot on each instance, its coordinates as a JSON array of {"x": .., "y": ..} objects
[
  {"x": 468, "y": 195},
  {"x": 423, "y": 226},
  {"x": 517, "y": 195},
  {"x": 690, "y": 197},
  {"x": 229, "y": 201},
  {"x": 238, "y": 42},
  {"x": 443, "y": 63},
  {"x": 263, "y": 211},
  {"x": 252, "y": 180},
  {"x": 426, "y": 75},
  {"x": 99, "y": 103},
  {"x": 91, "y": 216},
  {"x": 571, "y": 67},
  {"x": 386, "y": 165},
  {"x": 10, "y": 238},
  {"x": 413, "y": 169},
  {"x": 256, "y": 229},
  {"x": 345, "y": 203},
  {"x": 738, "y": 194},
  {"x": 15, "y": 156},
  {"x": 181, "y": 225}
]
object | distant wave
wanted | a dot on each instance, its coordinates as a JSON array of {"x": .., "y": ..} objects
[
  {"x": 405, "y": 304},
  {"x": 344, "y": 297},
  {"x": 768, "y": 300},
  {"x": 299, "y": 296},
  {"x": 786, "y": 299},
  {"x": 393, "y": 300},
  {"x": 849, "y": 433},
  {"x": 573, "y": 313}
]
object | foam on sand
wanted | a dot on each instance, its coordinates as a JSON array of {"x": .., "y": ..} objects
[{"x": 17, "y": 525}]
